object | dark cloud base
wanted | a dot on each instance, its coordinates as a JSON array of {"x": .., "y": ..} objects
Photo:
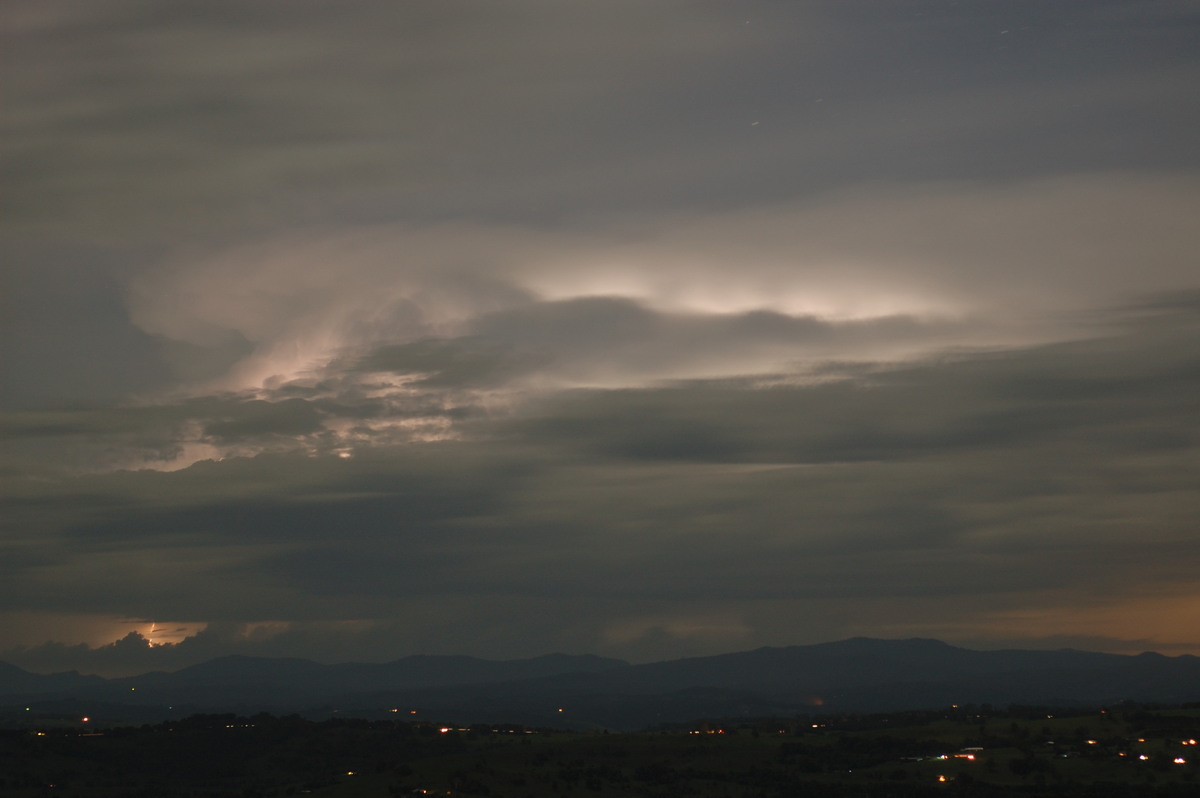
[{"x": 996, "y": 478}]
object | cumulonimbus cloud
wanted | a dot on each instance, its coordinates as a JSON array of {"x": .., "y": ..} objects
[{"x": 1014, "y": 261}]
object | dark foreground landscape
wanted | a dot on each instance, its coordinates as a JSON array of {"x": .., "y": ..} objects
[
  {"x": 861, "y": 717},
  {"x": 588, "y": 693},
  {"x": 968, "y": 751}
]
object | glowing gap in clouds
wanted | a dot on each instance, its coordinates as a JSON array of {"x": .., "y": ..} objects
[
  {"x": 170, "y": 633},
  {"x": 671, "y": 288}
]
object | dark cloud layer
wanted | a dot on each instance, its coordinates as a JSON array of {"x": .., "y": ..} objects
[
  {"x": 977, "y": 477},
  {"x": 642, "y": 328}
]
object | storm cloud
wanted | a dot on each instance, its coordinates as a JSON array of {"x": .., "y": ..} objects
[{"x": 646, "y": 329}]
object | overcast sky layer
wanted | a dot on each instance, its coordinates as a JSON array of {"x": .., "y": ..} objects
[{"x": 647, "y": 328}]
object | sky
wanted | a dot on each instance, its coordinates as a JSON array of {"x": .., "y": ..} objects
[{"x": 643, "y": 328}]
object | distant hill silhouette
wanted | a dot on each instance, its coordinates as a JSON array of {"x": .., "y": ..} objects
[
  {"x": 856, "y": 675},
  {"x": 17, "y": 682}
]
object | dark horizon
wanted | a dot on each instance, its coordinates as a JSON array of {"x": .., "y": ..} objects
[
  {"x": 163, "y": 658},
  {"x": 585, "y": 692}
]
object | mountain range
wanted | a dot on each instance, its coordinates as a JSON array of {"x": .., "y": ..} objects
[{"x": 584, "y": 691}]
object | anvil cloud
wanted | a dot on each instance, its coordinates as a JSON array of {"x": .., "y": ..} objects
[{"x": 648, "y": 329}]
